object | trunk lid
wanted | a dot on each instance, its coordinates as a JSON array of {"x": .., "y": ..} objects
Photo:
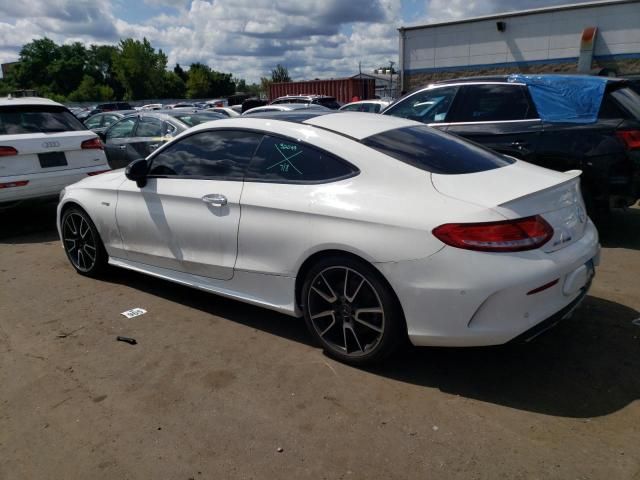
[
  {"x": 31, "y": 144},
  {"x": 522, "y": 190}
]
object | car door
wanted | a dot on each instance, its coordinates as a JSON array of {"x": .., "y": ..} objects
[
  {"x": 500, "y": 116},
  {"x": 431, "y": 106},
  {"x": 186, "y": 217},
  {"x": 117, "y": 142},
  {"x": 277, "y": 200},
  {"x": 147, "y": 137}
]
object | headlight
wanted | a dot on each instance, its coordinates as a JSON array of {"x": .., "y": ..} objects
[{"x": 62, "y": 192}]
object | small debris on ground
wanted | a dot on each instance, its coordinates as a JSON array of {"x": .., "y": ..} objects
[
  {"x": 280, "y": 449},
  {"x": 129, "y": 340}
]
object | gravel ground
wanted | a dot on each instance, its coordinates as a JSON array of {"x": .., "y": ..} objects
[{"x": 216, "y": 389}]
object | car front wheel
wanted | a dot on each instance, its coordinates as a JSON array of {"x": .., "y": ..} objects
[{"x": 82, "y": 243}]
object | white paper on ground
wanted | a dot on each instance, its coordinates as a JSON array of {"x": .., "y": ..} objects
[{"x": 134, "y": 312}]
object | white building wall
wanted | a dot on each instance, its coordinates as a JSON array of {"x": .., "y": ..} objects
[{"x": 536, "y": 37}]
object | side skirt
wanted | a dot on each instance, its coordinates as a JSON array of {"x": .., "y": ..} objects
[{"x": 274, "y": 292}]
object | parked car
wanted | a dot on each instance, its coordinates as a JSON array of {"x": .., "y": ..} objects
[
  {"x": 179, "y": 105},
  {"x": 137, "y": 135},
  {"x": 236, "y": 108},
  {"x": 109, "y": 107},
  {"x": 152, "y": 106},
  {"x": 501, "y": 115},
  {"x": 43, "y": 148},
  {"x": 324, "y": 100},
  {"x": 252, "y": 102},
  {"x": 371, "y": 227},
  {"x": 101, "y": 121},
  {"x": 226, "y": 111},
  {"x": 284, "y": 107},
  {"x": 371, "y": 106}
]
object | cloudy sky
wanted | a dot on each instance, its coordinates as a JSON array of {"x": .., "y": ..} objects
[{"x": 312, "y": 38}]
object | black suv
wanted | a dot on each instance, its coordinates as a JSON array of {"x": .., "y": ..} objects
[{"x": 502, "y": 116}]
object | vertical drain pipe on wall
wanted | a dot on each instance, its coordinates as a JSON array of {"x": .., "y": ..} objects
[
  {"x": 587, "y": 46},
  {"x": 401, "y": 81}
]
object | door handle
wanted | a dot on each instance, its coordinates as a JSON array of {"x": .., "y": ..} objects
[
  {"x": 215, "y": 199},
  {"x": 154, "y": 146},
  {"x": 520, "y": 145},
  {"x": 122, "y": 147}
]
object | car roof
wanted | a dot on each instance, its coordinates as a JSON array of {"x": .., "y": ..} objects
[
  {"x": 373, "y": 100},
  {"x": 505, "y": 78},
  {"x": 13, "y": 101},
  {"x": 355, "y": 125}
]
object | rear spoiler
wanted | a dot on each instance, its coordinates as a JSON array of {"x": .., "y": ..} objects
[{"x": 571, "y": 175}]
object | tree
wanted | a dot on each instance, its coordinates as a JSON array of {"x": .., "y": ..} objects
[
  {"x": 178, "y": 70},
  {"x": 265, "y": 85},
  {"x": 89, "y": 90},
  {"x": 67, "y": 70},
  {"x": 199, "y": 82},
  {"x": 100, "y": 66},
  {"x": 280, "y": 74},
  {"x": 35, "y": 58},
  {"x": 139, "y": 68},
  {"x": 173, "y": 86}
]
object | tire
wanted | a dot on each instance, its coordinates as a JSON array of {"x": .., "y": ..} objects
[
  {"x": 80, "y": 239},
  {"x": 361, "y": 324}
]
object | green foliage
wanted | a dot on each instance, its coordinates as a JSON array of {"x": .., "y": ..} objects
[
  {"x": 89, "y": 90},
  {"x": 280, "y": 74},
  {"x": 203, "y": 82},
  {"x": 139, "y": 68},
  {"x": 173, "y": 86},
  {"x": 132, "y": 70},
  {"x": 265, "y": 84}
]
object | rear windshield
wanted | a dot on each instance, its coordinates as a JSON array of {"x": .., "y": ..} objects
[
  {"x": 434, "y": 151},
  {"x": 328, "y": 102},
  {"x": 20, "y": 119},
  {"x": 192, "y": 119},
  {"x": 629, "y": 100}
]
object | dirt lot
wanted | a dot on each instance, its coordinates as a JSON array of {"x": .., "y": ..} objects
[{"x": 214, "y": 387}]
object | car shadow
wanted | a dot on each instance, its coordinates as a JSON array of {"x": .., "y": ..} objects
[
  {"x": 585, "y": 367},
  {"x": 620, "y": 228},
  {"x": 29, "y": 222}
]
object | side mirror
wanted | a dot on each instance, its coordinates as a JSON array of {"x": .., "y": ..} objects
[{"x": 137, "y": 172}]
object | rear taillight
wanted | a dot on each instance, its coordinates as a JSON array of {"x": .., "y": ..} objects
[
  {"x": 91, "y": 174},
  {"x": 20, "y": 183},
  {"x": 631, "y": 138},
  {"x": 93, "y": 143},
  {"x": 7, "y": 151},
  {"x": 504, "y": 236}
]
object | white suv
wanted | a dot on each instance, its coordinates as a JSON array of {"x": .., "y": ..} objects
[{"x": 43, "y": 148}]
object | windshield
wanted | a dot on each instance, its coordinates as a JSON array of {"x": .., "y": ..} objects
[
  {"x": 20, "y": 119},
  {"x": 629, "y": 100},
  {"x": 192, "y": 119}
]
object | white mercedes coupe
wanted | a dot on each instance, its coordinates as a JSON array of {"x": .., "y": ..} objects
[{"x": 374, "y": 228}]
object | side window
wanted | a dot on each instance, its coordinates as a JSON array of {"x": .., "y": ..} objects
[
  {"x": 168, "y": 129},
  {"x": 223, "y": 153},
  {"x": 286, "y": 161},
  {"x": 149, "y": 127},
  {"x": 352, "y": 108},
  {"x": 94, "y": 122},
  {"x": 109, "y": 120},
  {"x": 122, "y": 129},
  {"x": 427, "y": 106},
  {"x": 376, "y": 108},
  {"x": 490, "y": 103}
]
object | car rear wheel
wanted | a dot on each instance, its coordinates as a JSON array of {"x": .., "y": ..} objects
[
  {"x": 82, "y": 243},
  {"x": 351, "y": 311}
]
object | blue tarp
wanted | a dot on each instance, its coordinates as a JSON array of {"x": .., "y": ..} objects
[{"x": 565, "y": 98}]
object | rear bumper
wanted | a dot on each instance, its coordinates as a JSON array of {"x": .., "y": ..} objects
[
  {"x": 46, "y": 184},
  {"x": 463, "y": 298}
]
